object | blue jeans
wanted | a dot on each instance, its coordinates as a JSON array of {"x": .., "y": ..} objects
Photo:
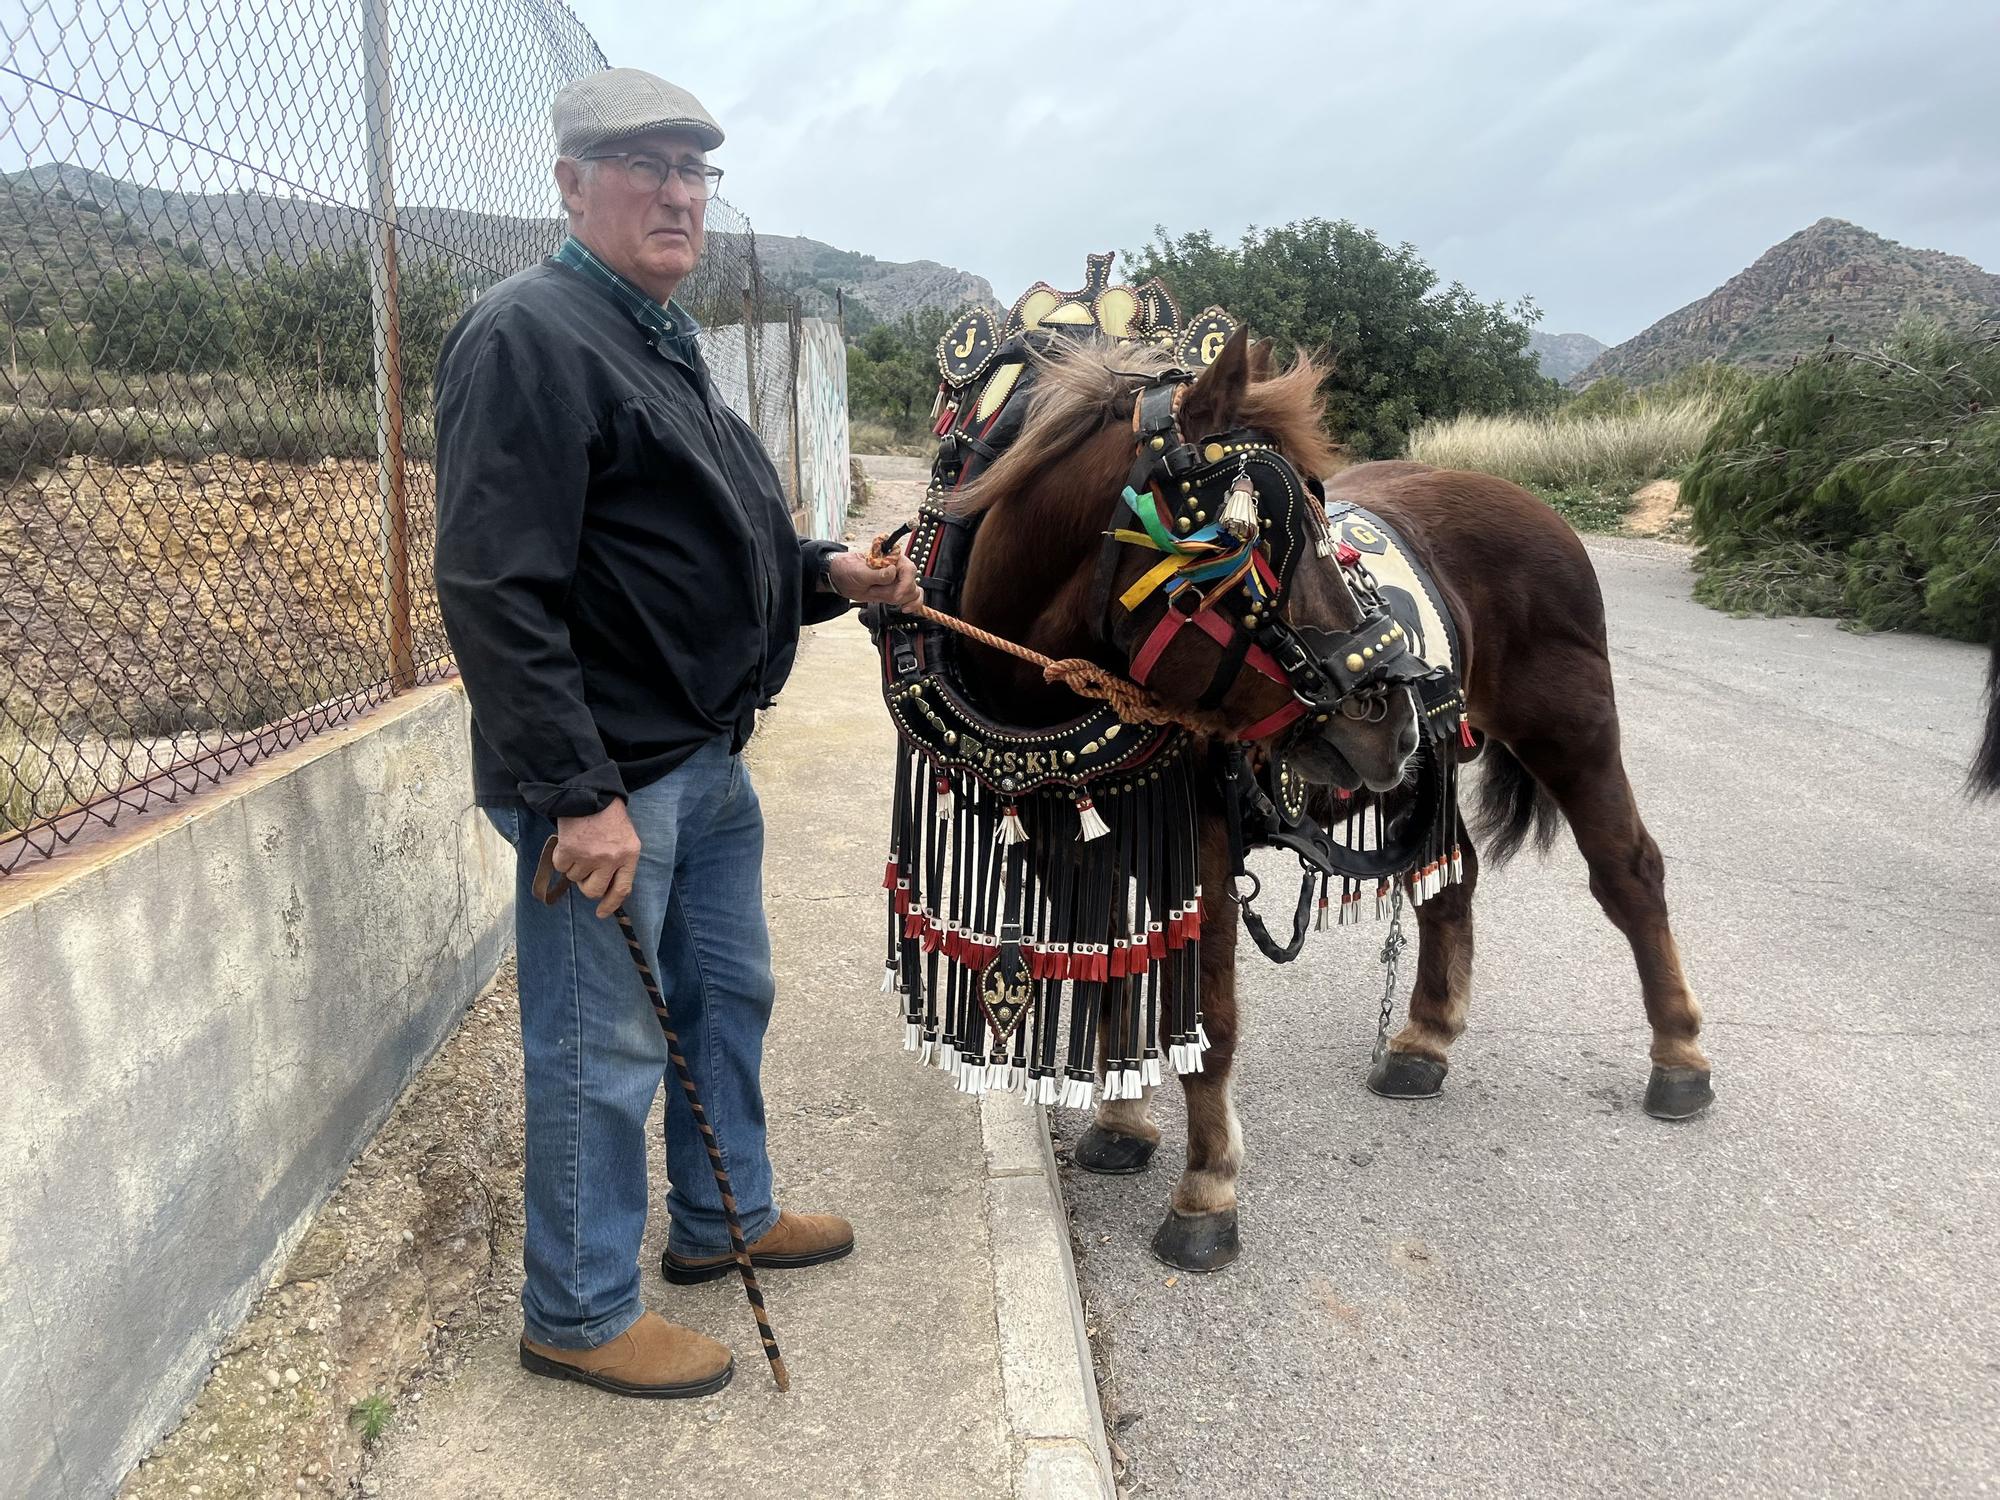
[{"x": 595, "y": 1052}]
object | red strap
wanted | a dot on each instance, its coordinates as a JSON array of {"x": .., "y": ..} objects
[
  {"x": 1270, "y": 724},
  {"x": 1157, "y": 643}
]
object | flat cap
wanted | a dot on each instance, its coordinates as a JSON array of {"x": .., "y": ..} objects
[{"x": 617, "y": 102}]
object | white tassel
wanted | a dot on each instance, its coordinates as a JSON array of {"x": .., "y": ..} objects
[
  {"x": 912, "y": 1036},
  {"x": 1201, "y": 1036},
  {"x": 1457, "y": 865},
  {"x": 927, "y": 1053},
  {"x": 1154, "y": 1078},
  {"x": 946, "y": 804},
  {"x": 1239, "y": 509},
  {"x": 1135, "y": 1084},
  {"x": 947, "y": 1059},
  {"x": 1114, "y": 1087},
  {"x": 1011, "y": 830},
  {"x": 1049, "y": 1091},
  {"x": 888, "y": 979},
  {"x": 1090, "y": 820}
]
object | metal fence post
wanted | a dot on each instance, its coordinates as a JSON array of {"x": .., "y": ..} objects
[
  {"x": 750, "y": 331},
  {"x": 798, "y": 467},
  {"x": 379, "y": 104}
]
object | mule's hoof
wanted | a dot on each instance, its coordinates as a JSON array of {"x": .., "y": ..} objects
[
  {"x": 1111, "y": 1154},
  {"x": 1198, "y": 1242},
  {"x": 1404, "y": 1075},
  {"x": 1678, "y": 1093}
]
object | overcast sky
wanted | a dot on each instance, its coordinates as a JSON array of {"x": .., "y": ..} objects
[{"x": 1613, "y": 160}]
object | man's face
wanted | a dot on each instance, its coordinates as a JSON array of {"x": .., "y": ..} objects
[{"x": 649, "y": 236}]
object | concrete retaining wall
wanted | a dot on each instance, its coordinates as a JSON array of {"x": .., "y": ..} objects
[{"x": 205, "y": 1019}]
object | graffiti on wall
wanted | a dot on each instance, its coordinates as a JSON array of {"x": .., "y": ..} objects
[{"x": 761, "y": 384}]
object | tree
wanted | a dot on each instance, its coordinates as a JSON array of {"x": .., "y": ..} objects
[
  {"x": 164, "y": 321},
  {"x": 1403, "y": 348},
  {"x": 892, "y": 374},
  {"x": 316, "y": 318},
  {"x": 17, "y": 305}
]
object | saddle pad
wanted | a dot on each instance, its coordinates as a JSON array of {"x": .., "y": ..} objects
[{"x": 1407, "y": 587}]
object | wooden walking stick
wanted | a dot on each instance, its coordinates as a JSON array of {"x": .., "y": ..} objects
[{"x": 549, "y": 885}]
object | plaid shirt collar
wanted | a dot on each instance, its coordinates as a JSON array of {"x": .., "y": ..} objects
[{"x": 668, "y": 327}]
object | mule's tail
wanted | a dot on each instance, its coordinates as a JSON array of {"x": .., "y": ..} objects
[
  {"x": 1511, "y": 809},
  {"x": 1984, "y": 779}
]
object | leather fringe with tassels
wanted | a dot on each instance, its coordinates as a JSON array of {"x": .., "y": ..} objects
[{"x": 1027, "y": 934}]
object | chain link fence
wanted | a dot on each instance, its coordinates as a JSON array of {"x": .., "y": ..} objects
[{"x": 231, "y": 240}]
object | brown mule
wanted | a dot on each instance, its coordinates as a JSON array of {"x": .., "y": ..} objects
[{"x": 1537, "y": 681}]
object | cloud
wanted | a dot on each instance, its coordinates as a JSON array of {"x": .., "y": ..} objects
[{"x": 1612, "y": 162}]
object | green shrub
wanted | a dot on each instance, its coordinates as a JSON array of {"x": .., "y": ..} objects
[{"x": 1885, "y": 462}]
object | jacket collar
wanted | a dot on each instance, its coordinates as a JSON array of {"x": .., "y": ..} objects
[{"x": 667, "y": 325}]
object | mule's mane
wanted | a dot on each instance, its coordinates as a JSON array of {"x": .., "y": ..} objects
[{"x": 1082, "y": 388}]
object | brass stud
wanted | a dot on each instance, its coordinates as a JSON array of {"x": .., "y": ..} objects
[
  {"x": 1354, "y": 663},
  {"x": 1159, "y": 443},
  {"x": 1368, "y": 652},
  {"x": 1187, "y": 486},
  {"x": 1183, "y": 523},
  {"x": 1069, "y": 757},
  {"x": 1201, "y": 515},
  {"x": 1385, "y": 639},
  {"x": 1213, "y": 452}
]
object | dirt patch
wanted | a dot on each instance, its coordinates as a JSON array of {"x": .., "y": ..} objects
[
  {"x": 1656, "y": 510},
  {"x": 402, "y": 1256},
  {"x": 153, "y": 598}
]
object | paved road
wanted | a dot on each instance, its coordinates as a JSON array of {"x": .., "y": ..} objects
[{"x": 1529, "y": 1287}]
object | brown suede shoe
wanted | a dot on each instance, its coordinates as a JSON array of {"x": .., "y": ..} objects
[
  {"x": 651, "y": 1358},
  {"x": 795, "y": 1240}
]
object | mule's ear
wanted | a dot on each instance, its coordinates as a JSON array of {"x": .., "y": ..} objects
[
  {"x": 1212, "y": 402},
  {"x": 1263, "y": 357}
]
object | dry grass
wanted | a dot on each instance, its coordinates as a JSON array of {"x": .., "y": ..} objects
[
  {"x": 1613, "y": 454},
  {"x": 876, "y": 437}
]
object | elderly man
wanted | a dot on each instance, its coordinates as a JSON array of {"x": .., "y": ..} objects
[{"x": 620, "y": 579}]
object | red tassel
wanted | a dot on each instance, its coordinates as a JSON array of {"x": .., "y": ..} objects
[
  {"x": 889, "y": 875},
  {"x": 1465, "y": 733}
]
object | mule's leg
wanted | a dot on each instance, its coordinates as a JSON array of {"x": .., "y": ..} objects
[
  {"x": 1627, "y": 876},
  {"x": 1122, "y": 1138},
  {"x": 1199, "y": 1233},
  {"x": 1414, "y": 1065}
]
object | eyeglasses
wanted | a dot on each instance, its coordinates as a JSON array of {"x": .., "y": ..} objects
[{"x": 649, "y": 173}]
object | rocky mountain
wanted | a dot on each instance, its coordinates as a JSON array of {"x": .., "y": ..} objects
[
  {"x": 887, "y": 288},
  {"x": 1564, "y": 354},
  {"x": 1834, "y": 278}
]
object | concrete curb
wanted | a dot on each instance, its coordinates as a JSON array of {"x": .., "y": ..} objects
[{"x": 1045, "y": 1366}]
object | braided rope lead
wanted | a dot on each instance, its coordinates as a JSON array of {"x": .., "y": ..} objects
[
  {"x": 1086, "y": 679},
  {"x": 549, "y": 885}
]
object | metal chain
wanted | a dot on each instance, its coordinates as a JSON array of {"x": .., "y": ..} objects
[{"x": 1392, "y": 952}]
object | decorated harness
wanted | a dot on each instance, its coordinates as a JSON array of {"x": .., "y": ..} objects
[{"x": 1045, "y": 882}]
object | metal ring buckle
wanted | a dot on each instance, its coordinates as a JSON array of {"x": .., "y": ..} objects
[{"x": 1256, "y": 888}]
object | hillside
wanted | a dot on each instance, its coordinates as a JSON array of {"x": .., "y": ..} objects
[
  {"x": 1834, "y": 278},
  {"x": 79, "y": 226},
  {"x": 1564, "y": 354},
  {"x": 887, "y": 288}
]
